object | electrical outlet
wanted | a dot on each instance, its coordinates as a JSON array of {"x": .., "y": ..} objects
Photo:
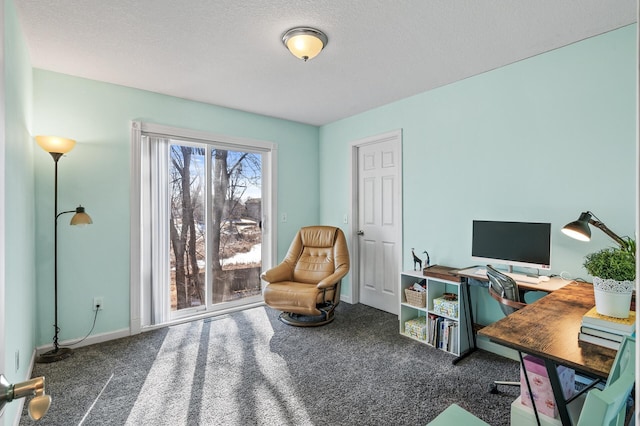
[
  {"x": 283, "y": 217},
  {"x": 345, "y": 219},
  {"x": 98, "y": 304}
]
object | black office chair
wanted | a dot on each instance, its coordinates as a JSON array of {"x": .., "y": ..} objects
[{"x": 504, "y": 289}]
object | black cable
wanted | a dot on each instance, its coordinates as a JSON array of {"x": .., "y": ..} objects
[{"x": 88, "y": 334}]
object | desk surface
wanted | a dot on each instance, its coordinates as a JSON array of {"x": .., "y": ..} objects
[
  {"x": 553, "y": 284},
  {"x": 548, "y": 328}
]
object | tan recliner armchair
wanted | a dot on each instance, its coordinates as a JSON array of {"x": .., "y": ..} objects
[{"x": 306, "y": 285}]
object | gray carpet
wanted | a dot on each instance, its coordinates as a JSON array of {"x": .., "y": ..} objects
[{"x": 247, "y": 368}]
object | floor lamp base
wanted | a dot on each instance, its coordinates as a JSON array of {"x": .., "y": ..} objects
[{"x": 54, "y": 355}]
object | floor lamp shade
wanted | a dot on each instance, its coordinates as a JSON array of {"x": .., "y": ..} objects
[
  {"x": 55, "y": 144},
  {"x": 80, "y": 218},
  {"x": 57, "y": 147}
]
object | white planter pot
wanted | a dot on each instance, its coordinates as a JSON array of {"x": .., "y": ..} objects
[{"x": 613, "y": 298}]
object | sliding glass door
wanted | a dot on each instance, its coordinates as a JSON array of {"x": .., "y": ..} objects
[
  {"x": 201, "y": 222},
  {"x": 214, "y": 226}
]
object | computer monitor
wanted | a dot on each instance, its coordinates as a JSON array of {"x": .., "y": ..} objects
[{"x": 526, "y": 244}]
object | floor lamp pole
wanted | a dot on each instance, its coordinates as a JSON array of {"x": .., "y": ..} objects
[
  {"x": 57, "y": 353},
  {"x": 56, "y": 347}
]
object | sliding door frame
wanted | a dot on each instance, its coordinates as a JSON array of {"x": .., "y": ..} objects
[{"x": 138, "y": 275}]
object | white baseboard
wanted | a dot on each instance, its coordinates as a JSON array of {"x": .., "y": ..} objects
[
  {"x": 91, "y": 340},
  {"x": 20, "y": 402}
]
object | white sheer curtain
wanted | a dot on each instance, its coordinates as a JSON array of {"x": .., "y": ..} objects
[
  {"x": 160, "y": 229},
  {"x": 156, "y": 230}
]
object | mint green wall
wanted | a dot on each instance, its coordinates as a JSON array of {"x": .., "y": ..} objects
[
  {"x": 19, "y": 238},
  {"x": 539, "y": 140},
  {"x": 94, "y": 260}
]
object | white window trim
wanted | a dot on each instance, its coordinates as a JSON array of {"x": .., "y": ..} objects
[{"x": 269, "y": 203}]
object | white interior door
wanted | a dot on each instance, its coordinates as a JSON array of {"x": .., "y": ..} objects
[{"x": 379, "y": 225}]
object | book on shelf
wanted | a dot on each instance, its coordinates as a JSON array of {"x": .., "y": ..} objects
[
  {"x": 605, "y": 334},
  {"x": 444, "y": 334},
  {"x": 433, "y": 329},
  {"x": 624, "y": 325},
  {"x": 599, "y": 341},
  {"x": 453, "y": 337}
]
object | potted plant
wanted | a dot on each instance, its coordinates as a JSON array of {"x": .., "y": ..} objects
[{"x": 614, "y": 273}]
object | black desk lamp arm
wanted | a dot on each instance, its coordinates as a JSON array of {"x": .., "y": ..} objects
[{"x": 623, "y": 244}]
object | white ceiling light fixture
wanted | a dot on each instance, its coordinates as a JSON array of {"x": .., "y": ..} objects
[{"x": 304, "y": 43}]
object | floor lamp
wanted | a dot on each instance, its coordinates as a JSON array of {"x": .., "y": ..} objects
[{"x": 57, "y": 147}]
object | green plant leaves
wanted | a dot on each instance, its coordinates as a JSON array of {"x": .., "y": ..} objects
[{"x": 613, "y": 263}]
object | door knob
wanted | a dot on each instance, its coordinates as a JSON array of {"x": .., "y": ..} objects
[{"x": 360, "y": 232}]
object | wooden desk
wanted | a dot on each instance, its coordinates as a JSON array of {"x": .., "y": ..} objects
[
  {"x": 470, "y": 277},
  {"x": 548, "y": 329}
]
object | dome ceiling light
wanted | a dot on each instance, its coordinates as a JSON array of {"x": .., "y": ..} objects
[{"x": 304, "y": 43}]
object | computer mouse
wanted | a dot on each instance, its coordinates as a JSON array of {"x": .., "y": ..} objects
[{"x": 544, "y": 278}]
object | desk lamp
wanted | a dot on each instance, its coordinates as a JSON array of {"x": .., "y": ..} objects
[{"x": 580, "y": 230}]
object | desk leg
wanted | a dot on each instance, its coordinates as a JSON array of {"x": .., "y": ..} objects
[
  {"x": 561, "y": 402},
  {"x": 469, "y": 322}
]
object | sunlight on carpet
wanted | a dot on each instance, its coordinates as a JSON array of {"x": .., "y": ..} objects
[
  {"x": 86, "y": 415},
  {"x": 235, "y": 352}
]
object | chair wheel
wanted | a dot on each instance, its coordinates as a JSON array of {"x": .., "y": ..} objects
[{"x": 494, "y": 389}]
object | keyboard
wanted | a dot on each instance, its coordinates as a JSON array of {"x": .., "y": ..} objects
[
  {"x": 524, "y": 278},
  {"x": 517, "y": 277}
]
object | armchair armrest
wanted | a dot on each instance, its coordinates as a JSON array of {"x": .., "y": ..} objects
[
  {"x": 333, "y": 279},
  {"x": 281, "y": 272}
]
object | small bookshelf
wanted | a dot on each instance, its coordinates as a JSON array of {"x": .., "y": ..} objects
[{"x": 437, "y": 318}]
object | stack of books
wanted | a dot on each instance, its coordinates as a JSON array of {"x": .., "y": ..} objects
[
  {"x": 604, "y": 330},
  {"x": 443, "y": 333}
]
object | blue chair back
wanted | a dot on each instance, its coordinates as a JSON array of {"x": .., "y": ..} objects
[{"x": 607, "y": 407}]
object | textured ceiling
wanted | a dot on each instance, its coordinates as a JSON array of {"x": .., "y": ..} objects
[{"x": 229, "y": 52}]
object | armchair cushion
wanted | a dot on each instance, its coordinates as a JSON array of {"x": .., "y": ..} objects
[{"x": 301, "y": 298}]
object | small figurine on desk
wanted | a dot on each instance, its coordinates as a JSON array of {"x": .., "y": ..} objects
[
  {"x": 427, "y": 261},
  {"x": 416, "y": 261}
]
